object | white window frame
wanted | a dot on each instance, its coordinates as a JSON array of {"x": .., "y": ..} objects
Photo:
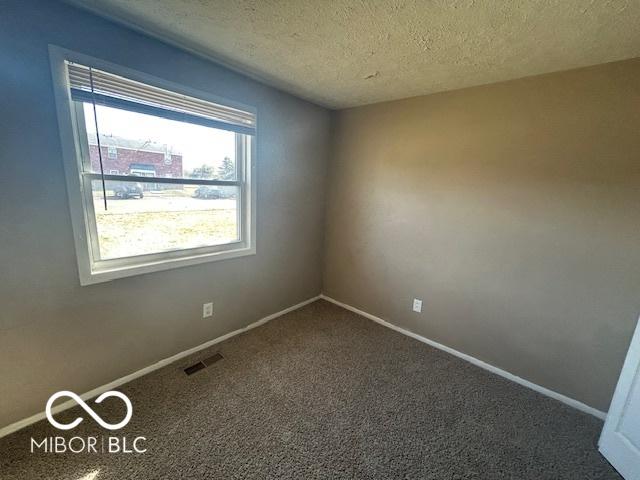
[{"x": 75, "y": 152}]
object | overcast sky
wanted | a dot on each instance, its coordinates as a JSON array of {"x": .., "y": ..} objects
[{"x": 198, "y": 145}]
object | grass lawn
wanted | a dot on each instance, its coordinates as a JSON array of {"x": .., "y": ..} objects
[{"x": 142, "y": 226}]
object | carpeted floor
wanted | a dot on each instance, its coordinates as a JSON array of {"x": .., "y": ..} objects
[{"x": 324, "y": 393}]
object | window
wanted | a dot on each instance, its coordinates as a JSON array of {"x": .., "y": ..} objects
[{"x": 175, "y": 185}]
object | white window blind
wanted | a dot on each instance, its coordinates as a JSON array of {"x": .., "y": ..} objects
[{"x": 114, "y": 90}]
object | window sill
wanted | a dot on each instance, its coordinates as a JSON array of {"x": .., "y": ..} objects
[{"x": 100, "y": 275}]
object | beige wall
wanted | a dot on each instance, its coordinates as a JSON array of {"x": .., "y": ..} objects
[
  {"x": 512, "y": 210},
  {"x": 55, "y": 334}
]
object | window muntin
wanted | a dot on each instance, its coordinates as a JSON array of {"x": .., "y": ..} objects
[{"x": 156, "y": 218}]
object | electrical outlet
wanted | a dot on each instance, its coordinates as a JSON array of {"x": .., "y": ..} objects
[
  {"x": 417, "y": 305},
  {"x": 207, "y": 310}
]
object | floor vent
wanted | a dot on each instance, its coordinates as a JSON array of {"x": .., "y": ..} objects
[{"x": 190, "y": 370}]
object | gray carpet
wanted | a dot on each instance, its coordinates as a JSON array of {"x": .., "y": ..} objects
[{"x": 324, "y": 393}]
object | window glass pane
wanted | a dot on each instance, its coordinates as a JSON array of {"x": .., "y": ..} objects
[
  {"x": 144, "y": 218},
  {"x": 144, "y": 145}
]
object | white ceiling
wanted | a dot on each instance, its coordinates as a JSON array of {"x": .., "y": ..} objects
[{"x": 342, "y": 53}]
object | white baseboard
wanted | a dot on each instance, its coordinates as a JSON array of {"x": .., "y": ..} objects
[
  {"x": 162, "y": 363},
  {"x": 498, "y": 371}
]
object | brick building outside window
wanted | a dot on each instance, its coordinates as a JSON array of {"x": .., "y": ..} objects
[{"x": 135, "y": 157}]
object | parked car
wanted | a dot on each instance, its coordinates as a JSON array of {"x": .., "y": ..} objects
[
  {"x": 207, "y": 191},
  {"x": 126, "y": 189},
  {"x": 228, "y": 192}
]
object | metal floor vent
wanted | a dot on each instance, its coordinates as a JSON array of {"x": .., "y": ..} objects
[{"x": 191, "y": 369}]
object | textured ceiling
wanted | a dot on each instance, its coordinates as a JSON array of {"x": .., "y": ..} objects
[{"x": 341, "y": 53}]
